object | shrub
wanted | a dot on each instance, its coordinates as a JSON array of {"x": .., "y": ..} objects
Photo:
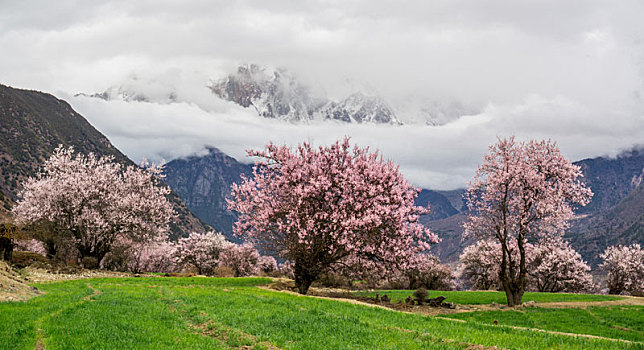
[
  {"x": 267, "y": 264},
  {"x": 90, "y": 262},
  {"x": 425, "y": 271},
  {"x": 23, "y": 259},
  {"x": 420, "y": 296},
  {"x": 202, "y": 250},
  {"x": 223, "y": 271}
]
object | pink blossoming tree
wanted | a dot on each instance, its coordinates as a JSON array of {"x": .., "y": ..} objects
[
  {"x": 243, "y": 259},
  {"x": 155, "y": 256},
  {"x": 318, "y": 206},
  {"x": 267, "y": 264},
  {"x": 522, "y": 190},
  {"x": 94, "y": 201},
  {"x": 625, "y": 266},
  {"x": 202, "y": 250},
  {"x": 31, "y": 245},
  {"x": 480, "y": 262},
  {"x": 426, "y": 271},
  {"x": 554, "y": 266}
]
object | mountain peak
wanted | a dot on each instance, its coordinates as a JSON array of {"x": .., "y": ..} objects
[{"x": 277, "y": 94}]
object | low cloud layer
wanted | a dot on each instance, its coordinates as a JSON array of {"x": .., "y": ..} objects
[
  {"x": 567, "y": 70},
  {"x": 437, "y": 157}
]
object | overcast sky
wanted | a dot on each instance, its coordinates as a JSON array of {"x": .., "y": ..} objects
[{"x": 572, "y": 71}]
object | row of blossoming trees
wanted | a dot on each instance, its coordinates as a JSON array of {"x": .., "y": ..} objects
[
  {"x": 99, "y": 213},
  {"x": 331, "y": 211}
]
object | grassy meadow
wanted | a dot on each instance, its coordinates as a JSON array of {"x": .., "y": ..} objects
[{"x": 225, "y": 313}]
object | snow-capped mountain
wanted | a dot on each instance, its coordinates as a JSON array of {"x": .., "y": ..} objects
[
  {"x": 278, "y": 94},
  {"x": 270, "y": 93},
  {"x": 359, "y": 108}
]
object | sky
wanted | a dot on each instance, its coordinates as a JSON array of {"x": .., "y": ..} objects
[{"x": 571, "y": 71}]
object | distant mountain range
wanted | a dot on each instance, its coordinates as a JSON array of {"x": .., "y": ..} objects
[
  {"x": 278, "y": 94},
  {"x": 616, "y": 213},
  {"x": 33, "y": 124}
]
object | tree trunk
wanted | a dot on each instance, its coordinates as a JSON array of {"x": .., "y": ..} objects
[
  {"x": 513, "y": 287},
  {"x": 514, "y": 297},
  {"x": 304, "y": 277},
  {"x": 6, "y": 248}
]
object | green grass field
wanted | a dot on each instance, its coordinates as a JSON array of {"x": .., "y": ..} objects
[
  {"x": 219, "y": 313},
  {"x": 488, "y": 297},
  {"x": 619, "y": 322}
]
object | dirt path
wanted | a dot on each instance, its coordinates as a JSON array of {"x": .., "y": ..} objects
[
  {"x": 346, "y": 300},
  {"x": 627, "y": 300},
  {"x": 96, "y": 292}
]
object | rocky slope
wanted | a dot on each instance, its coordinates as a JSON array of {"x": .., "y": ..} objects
[
  {"x": 33, "y": 124},
  {"x": 620, "y": 224},
  {"x": 204, "y": 185},
  {"x": 13, "y": 287},
  {"x": 611, "y": 179}
]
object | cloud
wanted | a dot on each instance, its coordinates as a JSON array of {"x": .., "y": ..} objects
[
  {"x": 437, "y": 157},
  {"x": 568, "y": 70}
]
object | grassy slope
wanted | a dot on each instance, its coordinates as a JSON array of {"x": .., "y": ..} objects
[
  {"x": 138, "y": 313},
  {"x": 488, "y": 297}
]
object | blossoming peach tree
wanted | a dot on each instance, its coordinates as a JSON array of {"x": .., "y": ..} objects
[
  {"x": 94, "y": 201},
  {"x": 625, "y": 267},
  {"x": 318, "y": 206},
  {"x": 522, "y": 191}
]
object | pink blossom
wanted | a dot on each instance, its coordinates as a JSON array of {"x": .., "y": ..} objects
[
  {"x": 625, "y": 266},
  {"x": 243, "y": 259},
  {"x": 202, "y": 250},
  {"x": 94, "y": 201},
  {"x": 522, "y": 191},
  {"x": 30, "y": 245},
  {"x": 553, "y": 266},
  {"x": 267, "y": 264},
  {"x": 316, "y": 207}
]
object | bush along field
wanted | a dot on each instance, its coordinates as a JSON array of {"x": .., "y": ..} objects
[{"x": 224, "y": 313}]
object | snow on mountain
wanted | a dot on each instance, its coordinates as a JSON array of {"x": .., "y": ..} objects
[
  {"x": 359, "y": 108},
  {"x": 278, "y": 94},
  {"x": 272, "y": 93}
]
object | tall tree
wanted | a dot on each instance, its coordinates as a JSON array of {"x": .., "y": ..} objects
[
  {"x": 316, "y": 207},
  {"x": 94, "y": 201},
  {"x": 522, "y": 191}
]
